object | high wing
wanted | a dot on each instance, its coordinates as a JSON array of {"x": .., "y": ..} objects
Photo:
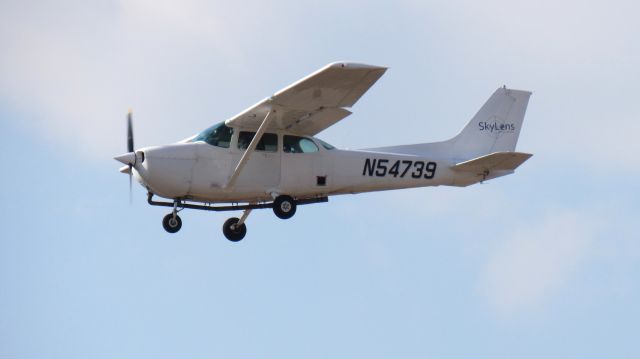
[{"x": 314, "y": 103}]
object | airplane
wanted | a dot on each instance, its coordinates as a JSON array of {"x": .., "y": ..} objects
[{"x": 268, "y": 156}]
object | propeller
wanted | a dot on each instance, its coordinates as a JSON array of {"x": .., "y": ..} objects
[
  {"x": 129, "y": 131},
  {"x": 130, "y": 150},
  {"x": 128, "y": 158}
]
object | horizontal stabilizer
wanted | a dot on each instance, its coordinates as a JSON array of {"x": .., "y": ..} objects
[{"x": 497, "y": 161}]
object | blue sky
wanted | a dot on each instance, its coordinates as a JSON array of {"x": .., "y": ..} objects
[{"x": 542, "y": 263}]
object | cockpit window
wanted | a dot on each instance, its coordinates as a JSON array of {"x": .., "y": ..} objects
[
  {"x": 217, "y": 135},
  {"x": 268, "y": 142},
  {"x": 295, "y": 144},
  {"x": 325, "y": 145}
]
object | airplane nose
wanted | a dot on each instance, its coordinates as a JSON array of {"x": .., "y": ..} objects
[
  {"x": 165, "y": 170},
  {"x": 131, "y": 158},
  {"x": 127, "y": 158}
]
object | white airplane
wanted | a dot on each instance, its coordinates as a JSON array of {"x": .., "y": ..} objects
[{"x": 267, "y": 156}]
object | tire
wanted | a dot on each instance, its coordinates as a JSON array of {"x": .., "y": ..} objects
[
  {"x": 234, "y": 234},
  {"x": 284, "y": 207},
  {"x": 170, "y": 225}
]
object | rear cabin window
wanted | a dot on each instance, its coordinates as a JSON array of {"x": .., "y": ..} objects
[
  {"x": 218, "y": 135},
  {"x": 268, "y": 142},
  {"x": 296, "y": 144}
]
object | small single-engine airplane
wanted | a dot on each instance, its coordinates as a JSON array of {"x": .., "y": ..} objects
[{"x": 267, "y": 156}]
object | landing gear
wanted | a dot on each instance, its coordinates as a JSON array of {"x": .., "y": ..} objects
[
  {"x": 284, "y": 207},
  {"x": 233, "y": 231},
  {"x": 171, "y": 223},
  {"x": 234, "y": 228}
]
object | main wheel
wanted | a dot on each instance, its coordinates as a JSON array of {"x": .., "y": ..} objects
[
  {"x": 233, "y": 232},
  {"x": 171, "y": 224},
  {"x": 284, "y": 207}
]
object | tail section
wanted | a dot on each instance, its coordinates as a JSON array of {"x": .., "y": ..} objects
[
  {"x": 496, "y": 164},
  {"x": 497, "y": 161},
  {"x": 496, "y": 126}
]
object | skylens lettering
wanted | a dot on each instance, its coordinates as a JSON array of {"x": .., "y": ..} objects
[{"x": 496, "y": 127}]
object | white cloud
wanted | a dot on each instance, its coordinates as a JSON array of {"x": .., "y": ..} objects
[
  {"x": 580, "y": 60},
  {"x": 536, "y": 260},
  {"x": 75, "y": 67}
]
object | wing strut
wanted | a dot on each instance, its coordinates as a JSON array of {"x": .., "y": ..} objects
[{"x": 252, "y": 146}]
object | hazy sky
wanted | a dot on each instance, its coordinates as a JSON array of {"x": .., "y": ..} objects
[{"x": 544, "y": 263}]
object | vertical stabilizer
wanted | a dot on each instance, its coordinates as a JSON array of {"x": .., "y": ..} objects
[{"x": 496, "y": 126}]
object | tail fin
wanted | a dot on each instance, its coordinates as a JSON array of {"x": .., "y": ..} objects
[{"x": 496, "y": 126}]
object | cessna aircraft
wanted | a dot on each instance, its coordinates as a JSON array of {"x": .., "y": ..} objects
[{"x": 268, "y": 156}]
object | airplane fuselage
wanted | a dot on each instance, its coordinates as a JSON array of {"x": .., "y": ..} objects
[{"x": 199, "y": 171}]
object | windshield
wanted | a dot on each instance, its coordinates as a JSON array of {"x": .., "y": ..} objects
[
  {"x": 325, "y": 145},
  {"x": 217, "y": 135}
]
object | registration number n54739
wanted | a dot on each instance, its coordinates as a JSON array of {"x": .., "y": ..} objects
[{"x": 380, "y": 167}]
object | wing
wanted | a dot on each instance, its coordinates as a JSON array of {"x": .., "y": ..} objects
[{"x": 313, "y": 103}]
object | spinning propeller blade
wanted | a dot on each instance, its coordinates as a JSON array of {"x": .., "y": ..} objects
[
  {"x": 130, "y": 149},
  {"x": 129, "y": 132}
]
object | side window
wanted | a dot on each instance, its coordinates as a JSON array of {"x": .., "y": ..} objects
[
  {"x": 268, "y": 142},
  {"x": 295, "y": 144}
]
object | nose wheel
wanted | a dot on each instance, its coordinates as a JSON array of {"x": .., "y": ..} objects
[{"x": 172, "y": 223}]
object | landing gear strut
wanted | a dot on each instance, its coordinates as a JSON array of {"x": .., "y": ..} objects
[
  {"x": 234, "y": 229},
  {"x": 172, "y": 222}
]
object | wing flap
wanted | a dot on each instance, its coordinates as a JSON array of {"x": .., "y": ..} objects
[
  {"x": 312, "y": 123},
  {"x": 497, "y": 161}
]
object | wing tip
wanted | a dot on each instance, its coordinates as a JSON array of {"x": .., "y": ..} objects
[
  {"x": 355, "y": 65},
  {"x": 506, "y": 89}
]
